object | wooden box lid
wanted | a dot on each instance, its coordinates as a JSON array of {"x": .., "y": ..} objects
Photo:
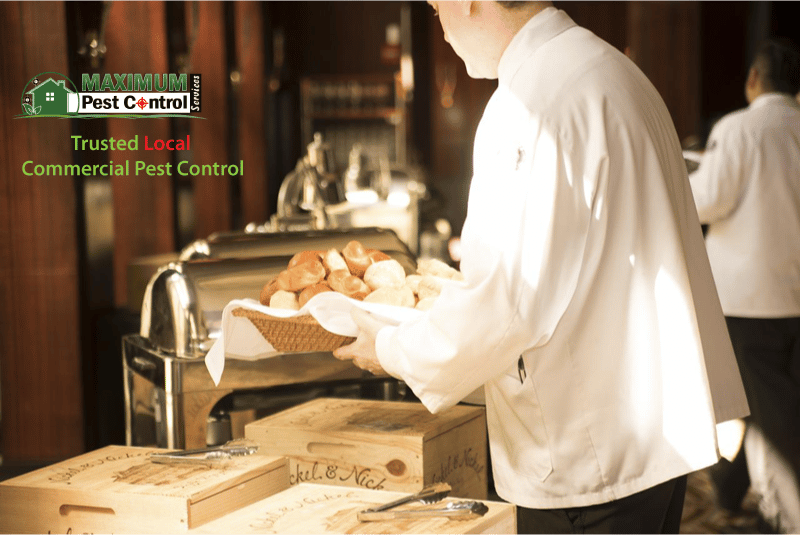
[
  {"x": 309, "y": 508},
  {"x": 368, "y": 419},
  {"x": 119, "y": 489}
]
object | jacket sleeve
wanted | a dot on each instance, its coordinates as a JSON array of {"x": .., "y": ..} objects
[
  {"x": 521, "y": 265},
  {"x": 718, "y": 182}
]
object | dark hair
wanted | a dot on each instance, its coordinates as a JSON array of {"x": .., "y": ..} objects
[{"x": 779, "y": 64}]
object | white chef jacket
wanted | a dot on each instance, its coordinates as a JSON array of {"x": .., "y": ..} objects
[
  {"x": 748, "y": 189},
  {"x": 582, "y": 253}
]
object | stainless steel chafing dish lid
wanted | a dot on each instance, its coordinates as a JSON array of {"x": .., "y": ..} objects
[
  {"x": 183, "y": 303},
  {"x": 246, "y": 244}
]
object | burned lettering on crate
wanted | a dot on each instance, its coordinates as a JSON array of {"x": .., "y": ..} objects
[
  {"x": 160, "y": 474},
  {"x": 66, "y": 474},
  {"x": 315, "y": 472},
  {"x": 468, "y": 459},
  {"x": 268, "y": 523}
]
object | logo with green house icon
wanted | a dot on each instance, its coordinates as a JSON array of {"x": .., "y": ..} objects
[
  {"x": 49, "y": 95},
  {"x": 128, "y": 95}
]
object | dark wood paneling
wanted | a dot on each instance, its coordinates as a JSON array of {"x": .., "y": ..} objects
[
  {"x": 664, "y": 42},
  {"x": 40, "y": 359},
  {"x": 251, "y": 91},
  {"x": 144, "y": 214},
  {"x": 608, "y": 20},
  {"x": 336, "y": 37},
  {"x": 210, "y": 137},
  {"x": 723, "y": 61}
]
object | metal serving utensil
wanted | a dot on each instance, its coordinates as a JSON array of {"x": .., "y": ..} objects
[
  {"x": 463, "y": 510},
  {"x": 430, "y": 494},
  {"x": 211, "y": 455}
]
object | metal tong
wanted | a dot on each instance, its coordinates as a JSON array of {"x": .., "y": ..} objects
[
  {"x": 464, "y": 510},
  {"x": 430, "y": 494},
  {"x": 208, "y": 456}
]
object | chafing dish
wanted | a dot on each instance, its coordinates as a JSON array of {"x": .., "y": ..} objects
[
  {"x": 170, "y": 399},
  {"x": 249, "y": 244}
]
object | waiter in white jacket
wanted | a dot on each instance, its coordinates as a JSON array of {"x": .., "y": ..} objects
[
  {"x": 588, "y": 307},
  {"x": 747, "y": 190}
]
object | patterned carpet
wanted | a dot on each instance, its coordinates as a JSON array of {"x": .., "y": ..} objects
[{"x": 700, "y": 515}]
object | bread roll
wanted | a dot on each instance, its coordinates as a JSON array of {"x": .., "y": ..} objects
[
  {"x": 437, "y": 268},
  {"x": 425, "y": 304},
  {"x": 357, "y": 258},
  {"x": 305, "y": 256},
  {"x": 412, "y": 281},
  {"x": 401, "y": 296},
  {"x": 385, "y": 273},
  {"x": 301, "y": 276},
  {"x": 429, "y": 286},
  {"x": 332, "y": 261},
  {"x": 284, "y": 299},
  {"x": 343, "y": 282},
  {"x": 377, "y": 256},
  {"x": 311, "y": 291},
  {"x": 268, "y": 291}
]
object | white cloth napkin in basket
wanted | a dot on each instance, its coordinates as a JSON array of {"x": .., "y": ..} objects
[{"x": 240, "y": 339}]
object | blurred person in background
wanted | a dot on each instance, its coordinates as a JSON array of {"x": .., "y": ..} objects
[
  {"x": 747, "y": 189},
  {"x": 588, "y": 312}
]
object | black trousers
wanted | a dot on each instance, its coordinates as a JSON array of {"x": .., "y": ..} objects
[
  {"x": 768, "y": 352},
  {"x": 655, "y": 510}
]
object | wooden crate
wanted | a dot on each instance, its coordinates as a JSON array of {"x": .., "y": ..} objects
[
  {"x": 309, "y": 508},
  {"x": 118, "y": 489},
  {"x": 382, "y": 445}
]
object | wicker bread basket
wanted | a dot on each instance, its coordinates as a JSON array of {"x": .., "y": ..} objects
[{"x": 300, "y": 334}]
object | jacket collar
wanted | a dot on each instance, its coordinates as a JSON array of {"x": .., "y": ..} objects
[
  {"x": 773, "y": 98},
  {"x": 542, "y": 27}
]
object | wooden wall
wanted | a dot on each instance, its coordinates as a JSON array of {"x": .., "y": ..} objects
[
  {"x": 144, "y": 206},
  {"x": 211, "y": 136},
  {"x": 40, "y": 324},
  {"x": 664, "y": 41},
  {"x": 250, "y": 88}
]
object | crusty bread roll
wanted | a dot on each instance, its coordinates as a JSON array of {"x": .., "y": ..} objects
[
  {"x": 268, "y": 291},
  {"x": 304, "y": 256},
  {"x": 437, "y": 268},
  {"x": 377, "y": 256},
  {"x": 385, "y": 273},
  {"x": 284, "y": 299},
  {"x": 400, "y": 296},
  {"x": 429, "y": 286},
  {"x": 357, "y": 258},
  {"x": 356, "y": 272},
  {"x": 301, "y": 276},
  {"x": 311, "y": 291},
  {"x": 343, "y": 282},
  {"x": 412, "y": 281},
  {"x": 332, "y": 261}
]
